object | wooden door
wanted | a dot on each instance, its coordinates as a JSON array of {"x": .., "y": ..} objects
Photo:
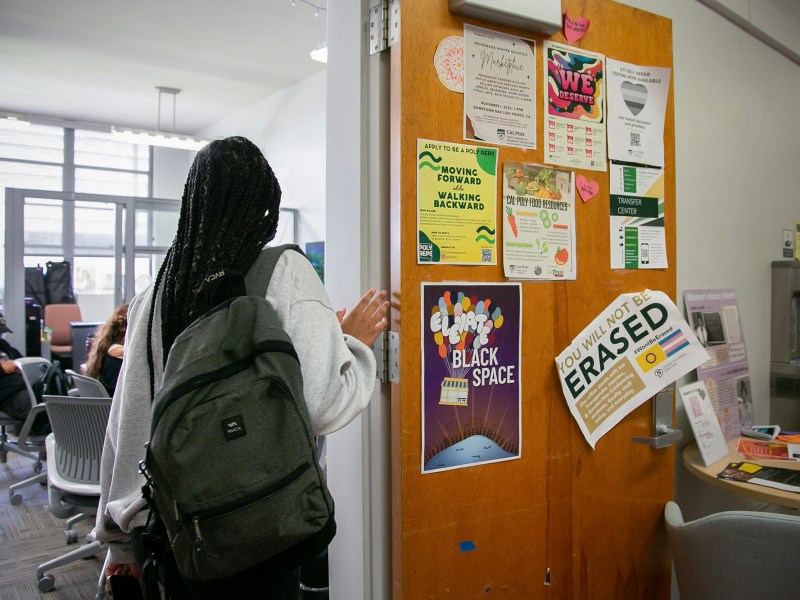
[{"x": 563, "y": 521}]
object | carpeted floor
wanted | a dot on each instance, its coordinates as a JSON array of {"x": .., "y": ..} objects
[{"x": 31, "y": 535}]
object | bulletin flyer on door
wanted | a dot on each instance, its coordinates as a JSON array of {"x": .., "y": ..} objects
[
  {"x": 714, "y": 316},
  {"x": 471, "y": 336},
  {"x": 538, "y": 222},
  {"x": 638, "y": 345},
  {"x": 456, "y": 203},
  {"x": 574, "y": 112}
]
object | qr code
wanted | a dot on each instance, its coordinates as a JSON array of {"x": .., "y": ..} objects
[
  {"x": 486, "y": 255},
  {"x": 636, "y": 139}
]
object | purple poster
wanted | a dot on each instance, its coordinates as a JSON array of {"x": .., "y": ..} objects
[{"x": 470, "y": 374}]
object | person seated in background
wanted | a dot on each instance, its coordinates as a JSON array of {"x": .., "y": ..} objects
[
  {"x": 14, "y": 399},
  {"x": 105, "y": 357}
]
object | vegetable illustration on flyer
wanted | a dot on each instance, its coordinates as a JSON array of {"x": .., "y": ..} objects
[
  {"x": 470, "y": 374},
  {"x": 637, "y": 346},
  {"x": 456, "y": 203},
  {"x": 539, "y": 222}
]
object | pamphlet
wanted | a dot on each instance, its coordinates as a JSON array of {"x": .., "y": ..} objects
[
  {"x": 763, "y": 450},
  {"x": 703, "y": 420},
  {"x": 774, "y": 477}
]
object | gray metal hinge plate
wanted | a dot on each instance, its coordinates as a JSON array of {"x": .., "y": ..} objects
[
  {"x": 384, "y": 25},
  {"x": 387, "y": 356}
]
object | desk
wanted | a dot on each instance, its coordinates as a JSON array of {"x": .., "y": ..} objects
[{"x": 693, "y": 461}]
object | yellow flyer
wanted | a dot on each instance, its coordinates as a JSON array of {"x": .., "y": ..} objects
[{"x": 456, "y": 203}]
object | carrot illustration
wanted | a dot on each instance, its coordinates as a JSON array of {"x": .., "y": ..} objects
[{"x": 512, "y": 220}]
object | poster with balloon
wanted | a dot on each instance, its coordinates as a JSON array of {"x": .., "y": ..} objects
[{"x": 471, "y": 336}]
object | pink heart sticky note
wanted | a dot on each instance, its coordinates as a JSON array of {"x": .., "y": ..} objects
[
  {"x": 575, "y": 29},
  {"x": 586, "y": 188}
]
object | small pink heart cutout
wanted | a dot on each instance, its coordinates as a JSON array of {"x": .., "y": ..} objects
[
  {"x": 586, "y": 188},
  {"x": 575, "y": 29}
]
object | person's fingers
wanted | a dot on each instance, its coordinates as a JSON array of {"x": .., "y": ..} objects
[{"x": 340, "y": 314}]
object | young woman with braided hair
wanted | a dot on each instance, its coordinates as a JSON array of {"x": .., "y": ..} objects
[{"x": 229, "y": 211}]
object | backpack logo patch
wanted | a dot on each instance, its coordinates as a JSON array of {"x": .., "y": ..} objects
[{"x": 233, "y": 427}]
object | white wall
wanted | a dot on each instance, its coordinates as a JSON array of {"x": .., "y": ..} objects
[
  {"x": 737, "y": 143},
  {"x": 289, "y": 127}
]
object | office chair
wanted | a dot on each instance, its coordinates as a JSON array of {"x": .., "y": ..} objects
[
  {"x": 58, "y": 318},
  {"x": 735, "y": 554},
  {"x": 26, "y": 444},
  {"x": 74, "y": 450},
  {"x": 87, "y": 386}
]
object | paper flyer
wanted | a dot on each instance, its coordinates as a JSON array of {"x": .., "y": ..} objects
[
  {"x": 714, "y": 315},
  {"x": 638, "y": 345},
  {"x": 538, "y": 222},
  {"x": 456, "y": 203},
  {"x": 703, "y": 420},
  {"x": 499, "y": 88},
  {"x": 637, "y": 103},
  {"x": 574, "y": 111},
  {"x": 471, "y": 336},
  {"x": 638, "y": 237}
]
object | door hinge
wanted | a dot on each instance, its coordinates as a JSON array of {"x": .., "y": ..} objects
[
  {"x": 384, "y": 25},
  {"x": 387, "y": 356}
]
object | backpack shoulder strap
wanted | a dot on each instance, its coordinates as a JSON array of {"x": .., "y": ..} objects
[{"x": 258, "y": 277}]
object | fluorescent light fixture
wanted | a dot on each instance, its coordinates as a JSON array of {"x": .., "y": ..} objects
[
  {"x": 12, "y": 121},
  {"x": 320, "y": 54},
  {"x": 157, "y": 138}
]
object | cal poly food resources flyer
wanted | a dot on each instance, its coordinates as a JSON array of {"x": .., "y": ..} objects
[
  {"x": 456, "y": 203},
  {"x": 637, "y": 346},
  {"x": 574, "y": 111},
  {"x": 538, "y": 222},
  {"x": 470, "y": 374}
]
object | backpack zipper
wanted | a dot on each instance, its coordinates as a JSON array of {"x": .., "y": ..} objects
[
  {"x": 221, "y": 373},
  {"x": 199, "y": 542}
]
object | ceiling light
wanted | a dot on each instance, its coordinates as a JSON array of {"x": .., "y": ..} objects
[
  {"x": 159, "y": 137},
  {"x": 320, "y": 54},
  {"x": 12, "y": 121}
]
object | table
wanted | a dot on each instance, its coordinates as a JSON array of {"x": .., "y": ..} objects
[{"x": 693, "y": 461}]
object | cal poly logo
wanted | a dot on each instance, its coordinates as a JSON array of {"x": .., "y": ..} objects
[{"x": 501, "y": 134}]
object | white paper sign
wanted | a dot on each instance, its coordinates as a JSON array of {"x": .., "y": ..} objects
[
  {"x": 637, "y": 101},
  {"x": 638, "y": 345},
  {"x": 703, "y": 419}
]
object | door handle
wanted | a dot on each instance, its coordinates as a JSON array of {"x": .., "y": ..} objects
[
  {"x": 664, "y": 437},
  {"x": 664, "y": 434}
]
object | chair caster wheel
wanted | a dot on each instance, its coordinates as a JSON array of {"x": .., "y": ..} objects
[
  {"x": 16, "y": 499},
  {"x": 37, "y": 468},
  {"x": 46, "y": 583},
  {"x": 71, "y": 536}
]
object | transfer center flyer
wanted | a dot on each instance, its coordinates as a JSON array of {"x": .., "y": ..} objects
[
  {"x": 574, "y": 113},
  {"x": 638, "y": 238},
  {"x": 637, "y": 346},
  {"x": 456, "y": 203}
]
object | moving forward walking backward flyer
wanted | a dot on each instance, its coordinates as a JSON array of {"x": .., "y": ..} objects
[{"x": 636, "y": 347}]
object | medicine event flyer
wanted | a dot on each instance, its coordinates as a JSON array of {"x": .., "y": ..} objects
[
  {"x": 456, "y": 203},
  {"x": 471, "y": 336}
]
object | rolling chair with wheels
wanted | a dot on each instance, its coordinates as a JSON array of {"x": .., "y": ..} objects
[
  {"x": 74, "y": 450},
  {"x": 29, "y": 445},
  {"x": 87, "y": 386},
  {"x": 58, "y": 318},
  {"x": 735, "y": 554}
]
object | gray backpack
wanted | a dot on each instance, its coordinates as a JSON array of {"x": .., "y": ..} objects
[{"x": 232, "y": 465}]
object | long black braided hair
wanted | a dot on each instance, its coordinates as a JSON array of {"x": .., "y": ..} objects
[{"x": 229, "y": 211}]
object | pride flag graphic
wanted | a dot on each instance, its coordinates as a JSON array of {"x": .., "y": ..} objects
[{"x": 673, "y": 343}]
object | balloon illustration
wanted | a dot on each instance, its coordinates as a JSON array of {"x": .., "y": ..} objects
[{"x": 462, "y": 326}]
